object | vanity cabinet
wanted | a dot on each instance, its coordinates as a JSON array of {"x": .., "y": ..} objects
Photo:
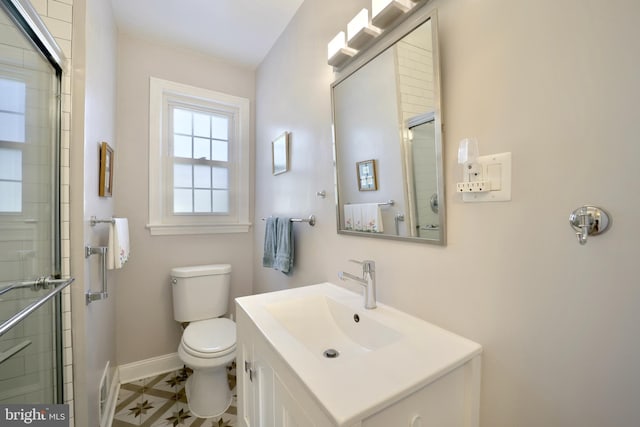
[
  {"x": 271, "y": 394},
  {"x": 266, "y": 385}
]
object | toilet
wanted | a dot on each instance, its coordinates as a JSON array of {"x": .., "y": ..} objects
[{"x": 208, "y": 344}]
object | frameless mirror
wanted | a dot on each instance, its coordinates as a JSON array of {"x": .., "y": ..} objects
[{"x": 386, "y": 113}]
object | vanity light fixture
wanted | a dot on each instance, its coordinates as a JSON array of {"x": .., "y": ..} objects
[
  {"x": 338, "y": 51},
  {"x": 385, "y": 12},
  {"x": 360, "y": 31}
]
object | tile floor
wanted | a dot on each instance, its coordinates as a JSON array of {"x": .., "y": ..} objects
[{"x": 161, "y": 401}]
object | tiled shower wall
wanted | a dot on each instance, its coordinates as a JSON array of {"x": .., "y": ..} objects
[
  {"x": 414, "y": 56},
  {"x": 57, "y": 16}
]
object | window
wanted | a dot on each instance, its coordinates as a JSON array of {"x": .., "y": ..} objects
[
  {"x": 199, "y": 160},
  {"x": 12, "y": 138}
]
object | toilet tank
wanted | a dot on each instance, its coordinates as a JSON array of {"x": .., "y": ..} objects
[{"x": 200, "y": 292}]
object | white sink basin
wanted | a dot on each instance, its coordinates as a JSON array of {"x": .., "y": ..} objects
[
  {"x": 385, "y": 356},
  {"x": 321, "y": 323}
]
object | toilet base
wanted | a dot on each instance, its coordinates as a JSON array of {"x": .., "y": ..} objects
[{"x": 208, "y": 393}]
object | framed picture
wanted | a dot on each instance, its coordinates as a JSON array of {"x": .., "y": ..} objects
[
  {"x": 106, "y": 170},
  {"x": 280, "y": 154},
  {"x": 367, "y": 177}
]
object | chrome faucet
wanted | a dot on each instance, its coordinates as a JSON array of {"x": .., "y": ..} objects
[{"x": 368, "y": 281}]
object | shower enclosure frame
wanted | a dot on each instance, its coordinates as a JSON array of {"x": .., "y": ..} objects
[{"x": 28, "y": 20}]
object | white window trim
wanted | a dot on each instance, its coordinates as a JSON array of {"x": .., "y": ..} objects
[{"x": 159, "y": 224}]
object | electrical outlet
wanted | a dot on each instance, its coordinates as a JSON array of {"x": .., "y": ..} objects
[
  {"x": 473, "y": 187},
  {"x": 496, "y": 171}
]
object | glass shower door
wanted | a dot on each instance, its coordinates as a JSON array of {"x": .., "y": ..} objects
[{"x": 30, "y": 350}]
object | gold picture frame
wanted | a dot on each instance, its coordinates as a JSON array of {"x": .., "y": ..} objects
[
  {"x": 367, "y": 175},
  {"x": 280, "y": 154},
  {"x": 105, "y": 188}
]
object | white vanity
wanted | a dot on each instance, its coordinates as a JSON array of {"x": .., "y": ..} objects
[{"x": 313, "y": 356}]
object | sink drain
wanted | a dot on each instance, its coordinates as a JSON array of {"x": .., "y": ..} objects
[{"x": 331, "y": 353}]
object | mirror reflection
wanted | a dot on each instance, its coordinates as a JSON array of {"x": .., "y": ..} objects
[{"x": 386, "y": 116}]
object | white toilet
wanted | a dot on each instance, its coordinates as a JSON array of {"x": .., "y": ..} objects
[{"x": 208, "y": 345}]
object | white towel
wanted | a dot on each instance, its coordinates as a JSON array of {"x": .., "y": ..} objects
[
  {"x": 371, "y": 217},
  {"x": 363, "y": 217},
  {"x": 118, "y": 252},
  {"x": 349, "y": 217}
]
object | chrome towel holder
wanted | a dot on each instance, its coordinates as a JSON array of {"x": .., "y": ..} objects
[
  {"x": 93, "y": 221},
  {"x": 311, "y": 220},
  {"x": 588, "y": 221},
  {"x": 102, "y": 251}
]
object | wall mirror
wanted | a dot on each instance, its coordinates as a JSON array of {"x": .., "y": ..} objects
[
  {"x": 280, "y": 154},
  {"x": 386, "y": 106}
]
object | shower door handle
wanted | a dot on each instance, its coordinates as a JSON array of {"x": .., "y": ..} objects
[{"x": 60, "y": 284}]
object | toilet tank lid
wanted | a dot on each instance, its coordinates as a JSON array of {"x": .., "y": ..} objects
[{"x": 201, "y": 270}]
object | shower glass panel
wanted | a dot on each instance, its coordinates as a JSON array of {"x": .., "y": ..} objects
[{"x": 30, "y": 352}]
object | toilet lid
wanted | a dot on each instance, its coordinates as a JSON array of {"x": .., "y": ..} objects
[{"x": 212, "y": 337}]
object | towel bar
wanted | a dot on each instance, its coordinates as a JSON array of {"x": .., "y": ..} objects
[
  {"x": 387, "y": 203},
  {"x": 93, "y": 221},
  {"x": 311, "y": 220}
]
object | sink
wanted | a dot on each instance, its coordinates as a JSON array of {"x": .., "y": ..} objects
[
  {"x": 321, "y": 323},
  {"x": 300, "y": 324}
]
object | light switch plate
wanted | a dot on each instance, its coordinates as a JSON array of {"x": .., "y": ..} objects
[{"x": 496, "y": 168}]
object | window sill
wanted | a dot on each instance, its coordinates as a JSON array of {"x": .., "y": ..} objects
[{"x": 177, "y": 229}]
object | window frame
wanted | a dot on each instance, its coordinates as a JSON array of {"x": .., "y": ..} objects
[
  {"x": 162, "y": 220},
  {"x": 10, "y": 74}
]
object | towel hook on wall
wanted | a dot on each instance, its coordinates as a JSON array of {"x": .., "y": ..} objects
[{"x": 588, "y": 221}]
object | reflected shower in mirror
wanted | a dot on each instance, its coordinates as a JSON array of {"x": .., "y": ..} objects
[{"x": 388, "y": 110}]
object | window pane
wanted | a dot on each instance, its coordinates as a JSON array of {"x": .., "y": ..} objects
[
  {"x": 201, "y": 177},
  {"x": 182, "y": 176},
  {"x": 10, "y": 164},
  {"x": 201, "y": 125},
  {"x": 221, "y": 151},
  {"x": 220, "y": 177},
  {"x": 182, "y": 146},
  {"x": 182, "y": 121},
  {"x": 11, "y": 200},
  {"x": 201, "y": 148},
  {"x": 220, "y": 201},
  {"x": 13, "y": 95},
  {"x": 219, "y": 127},
  {"x": 202, "y": 201},
  {"x": 12, "y": 127},
  {"x": 182, "y": 201}
]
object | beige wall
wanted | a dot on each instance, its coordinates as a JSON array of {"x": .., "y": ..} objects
[
  {"x": 145, "y": 313},
  {"x": 555, "y": 83},
  {"x": 93, "y": 121}
]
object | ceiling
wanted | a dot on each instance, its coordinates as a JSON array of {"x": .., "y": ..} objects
[{"x": 240, "y": 31}]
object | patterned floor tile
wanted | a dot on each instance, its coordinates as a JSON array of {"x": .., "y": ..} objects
[{"x": 161, "y": 401}]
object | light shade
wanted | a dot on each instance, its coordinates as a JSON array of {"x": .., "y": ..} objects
[
  {"x": 359, "y": 30},
  {"x": 385, "y": 12},
  {"x": 338, "y": 52},
  {"x": 336, "y": 43}
]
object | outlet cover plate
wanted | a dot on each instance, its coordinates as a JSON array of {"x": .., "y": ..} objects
[{"x": 496, "y": 168}]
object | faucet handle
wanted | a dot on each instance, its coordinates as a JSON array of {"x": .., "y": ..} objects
[{"x": 368, "y": 266}]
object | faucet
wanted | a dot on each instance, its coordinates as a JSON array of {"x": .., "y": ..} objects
[{"x": 368, "y": 281}]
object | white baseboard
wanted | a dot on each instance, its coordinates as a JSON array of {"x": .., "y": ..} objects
[
  {"x": 110, "y": 408},
  {"x": 149, "y": 367}
]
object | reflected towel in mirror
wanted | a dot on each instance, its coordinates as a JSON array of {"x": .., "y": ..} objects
[{"x": 363, "y": 217}]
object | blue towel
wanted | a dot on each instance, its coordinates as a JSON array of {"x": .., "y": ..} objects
[
  {"x": 270, "y": 243},
  {"x": 284, "y": 246}
]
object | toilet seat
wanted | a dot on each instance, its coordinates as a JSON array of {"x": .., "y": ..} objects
[{"x": 210, "y": 338}]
